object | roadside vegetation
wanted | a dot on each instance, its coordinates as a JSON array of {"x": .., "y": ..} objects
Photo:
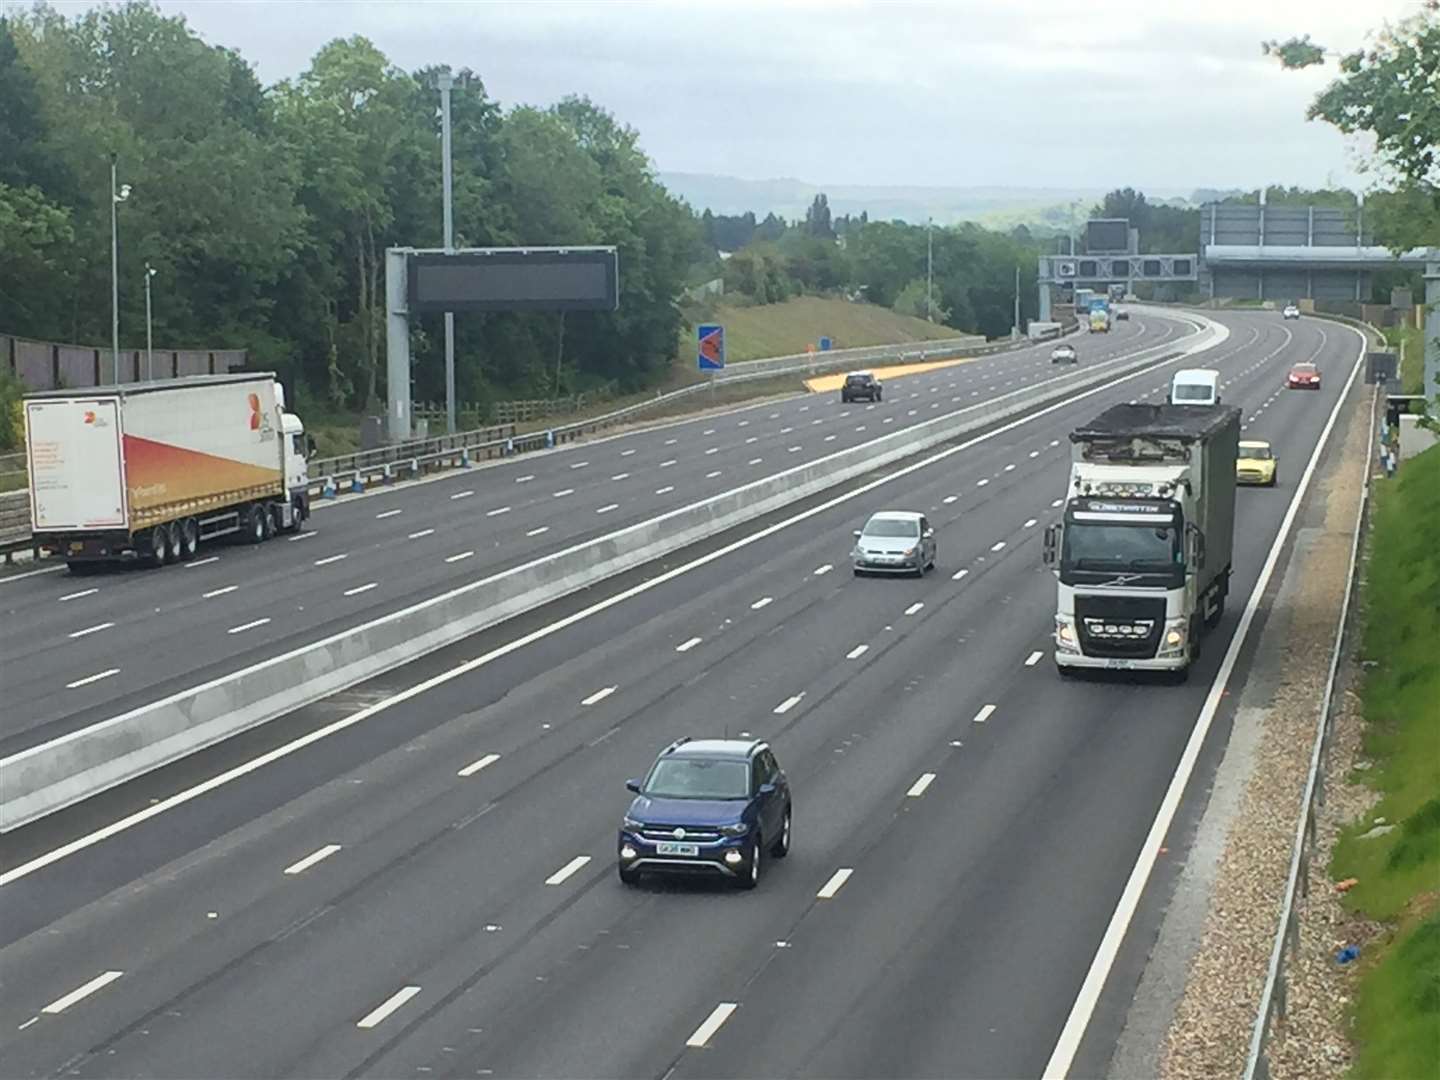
[
  {"x": 1396, "y": 864},
  {"x": 1412, "y": 367}
]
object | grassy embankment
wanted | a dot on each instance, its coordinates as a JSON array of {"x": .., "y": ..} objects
[
  {"x": 1412, "y": 368},
  {"x": 1397, "y": 1007}
]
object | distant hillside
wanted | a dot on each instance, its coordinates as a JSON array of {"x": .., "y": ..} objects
[
  {"x": 995, "y": 206},
  {"x": 782, "y": 329}
]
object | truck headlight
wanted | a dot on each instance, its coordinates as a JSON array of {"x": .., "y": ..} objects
[
  {"x": 1065, "y": 637},
  {"x": 1174, "y": 638}
]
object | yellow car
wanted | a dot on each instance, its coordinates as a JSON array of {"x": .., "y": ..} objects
[{"x": 1256, "y": 463}]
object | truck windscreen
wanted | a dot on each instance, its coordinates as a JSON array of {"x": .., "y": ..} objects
[{"x": 1112, "y": 546}]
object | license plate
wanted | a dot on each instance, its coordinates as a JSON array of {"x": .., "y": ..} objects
[
  {"x": 1120, "y": 665},
  {"x": 677, "y": 849}
]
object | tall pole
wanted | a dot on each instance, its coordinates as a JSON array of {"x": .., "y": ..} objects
[
  {"x": 114, "y": 275},
  {"x": 445, "y": 83},
  {"x": 929, "y": 270},
  {"x": 149, "y": 337},
  {"x": 1017, "y": 299}
]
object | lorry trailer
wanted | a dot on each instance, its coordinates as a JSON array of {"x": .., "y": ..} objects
[
  {"x": 149, "y": 471},
  {"x": 1142, "y": 554}
]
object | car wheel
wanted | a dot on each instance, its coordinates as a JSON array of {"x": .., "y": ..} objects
[
  {"x": 629, "y": 877},
  {"x": 751, "y": 877},
  {"x": 1274, "y": 478},
  {"x": 781, "y": 847}
]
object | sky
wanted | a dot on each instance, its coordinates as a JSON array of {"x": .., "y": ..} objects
[{"x": 1157, "y": 94}]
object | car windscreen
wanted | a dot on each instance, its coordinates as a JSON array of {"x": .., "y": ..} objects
[
  {"x": 1192, "y": 392},
  {"x": 1255, "y": 453},
  {"x": 698, "y": 778},
  {"x": 1093, "y": 545},
  {"x": 857, "y": 380},
  {"x": 1304, "y": 369},
  {"x": 892, "y": 527}
]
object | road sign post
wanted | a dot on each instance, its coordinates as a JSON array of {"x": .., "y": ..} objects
[{"x": 710, "y": 347}]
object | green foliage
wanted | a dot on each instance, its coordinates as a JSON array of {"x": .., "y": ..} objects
[
  {"x": 1397, "y": 1013},
  {"x": 12, "y": 421},
  {"x": 1168, "y": 229},
  {"x": 914, "y": 302}
]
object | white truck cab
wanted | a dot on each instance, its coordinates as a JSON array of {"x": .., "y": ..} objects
[{"x": 1195, "y": 386}]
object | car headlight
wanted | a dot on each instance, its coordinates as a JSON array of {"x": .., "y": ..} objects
[
  {"x": 629, "y": 824},
  {"x": 740, "y": 828},
  {"x": 909, "y": 552}
]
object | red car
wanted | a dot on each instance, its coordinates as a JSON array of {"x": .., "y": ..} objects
[{"x": 1303, "y": 377}]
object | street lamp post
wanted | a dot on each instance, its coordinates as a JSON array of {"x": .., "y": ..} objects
[
  {"x": 929, "y": 269},
  {"x": 150, "y": 272},
  {"x": 117, "y": 196},
  {"x": 444, "y": 83}
]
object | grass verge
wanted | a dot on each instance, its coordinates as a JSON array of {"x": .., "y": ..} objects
[{"x": 1397, "y": 1006}]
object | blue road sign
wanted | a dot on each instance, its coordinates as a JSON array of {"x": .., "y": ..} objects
[
  {"x": 711, "y": 352},
  {"x": 824, "y": 344}
]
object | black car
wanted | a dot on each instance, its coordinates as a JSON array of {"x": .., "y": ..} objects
[
  {"x": 1121, "y": 315},
  {"x": 708, "y": 806},
  {"x": 861, "y": 384}
]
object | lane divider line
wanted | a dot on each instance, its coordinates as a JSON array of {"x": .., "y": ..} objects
[
  {"x": 388, "y": 1006},
  {"x": 836, "y": 882},
  {"x": 311, "y": 859}
]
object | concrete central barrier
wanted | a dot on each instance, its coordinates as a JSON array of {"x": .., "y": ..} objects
[{"x": 65, "y": 770}]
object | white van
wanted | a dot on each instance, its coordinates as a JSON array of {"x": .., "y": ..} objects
[{"x": 1195, "y": 386}]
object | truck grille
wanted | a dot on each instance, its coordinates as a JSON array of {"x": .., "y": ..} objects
[{"x": 1120, "y": 626}]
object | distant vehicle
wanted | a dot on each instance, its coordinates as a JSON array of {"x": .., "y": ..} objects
[
  {"x": 861, "y": 384},
  {"x": 1256, "y": 463},
  {"x": 1195, "y": 386},
  {"x": 1143, "y": 552},
  {"x": 1122, "y": 315},
  {"x": 1064, "y": 354},
  {"x": 1290, "y": 312},
  {"x": 149, "y": 471},
  {"x": 1099, "y": 322},
  {"x": 894, "y": 542},
  {"x": 1116, "y": 293},
  {"x": 1303, "y": 377},
  {"x": 707, "y": 806}
]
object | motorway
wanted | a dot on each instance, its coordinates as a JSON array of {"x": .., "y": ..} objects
[
  {"x": 431, "y": 891},
  {"x": 78, "y": 650}
]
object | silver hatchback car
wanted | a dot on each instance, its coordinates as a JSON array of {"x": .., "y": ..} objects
[{"x": 894, "y": 542}]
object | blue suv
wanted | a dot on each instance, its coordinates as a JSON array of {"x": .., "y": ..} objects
[{"x": 708, "y": 806}]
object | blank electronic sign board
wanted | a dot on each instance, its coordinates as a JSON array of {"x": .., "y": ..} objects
[
  {"x": 515, "y": 279},
  {"x": 1107, "y": 234}
]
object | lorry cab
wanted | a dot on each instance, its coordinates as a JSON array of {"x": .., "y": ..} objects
[
  {"x": 1195, "y": 386},
  {"x": 295, "y": 452}
]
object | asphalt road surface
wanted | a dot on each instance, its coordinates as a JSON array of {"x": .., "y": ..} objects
[{"x": 431, "y": 891}]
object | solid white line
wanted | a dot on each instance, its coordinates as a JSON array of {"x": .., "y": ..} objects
[
  {"x": 388, "y": 514},
  {"x": 311, "y": 859},
  {"x": 621, "y": 476},
  {"x": 712, "y": 1024},
  {"x": 537, "y": 532},
  {"x": 559, "y": 876},
  {"x": 607, "y": 508},
  {"x": 362, "y": 588},
  {"x": 999, "y": 545},
  {"x": 344, "y": 723},
  {"x": 247, "y": 626},
  {"x": 475, "y": 766},
  {"x": 497, "y": 511},
  {"x": 918, "y": 788},
  {"x": 86, "y": 682},
  {"x": 762, "y": 602},
  {"x": 216, "y": 558},
  {"x": 857, "y": 652},
  {"x": 686, "y": 646},
  {"x": 788, "y": 704},
  {"x": 1033, "y": 659},
  {"x": 380, "y": 1012},
  {"x": 913, "y": 608},
  {"x": 833, "y": 886},
  {"x": 77, "y": 595},
  {"x": 664, "y": 490},
  {"x": 458, "y": 558},
  {"x": 418, "y": 535},
  {"x": 984, "y": 714},
  {"x": 562, "y": 493},
  {"x": 819, "y": 570},
  {"x": 30, "y": 573},
  {"x": 332, "y": 558},
  {"x": 92, "y": 629},
  {"x": 598, "y": 696},
  {"x": 1066, "y": 1046},
  {"x": 461, "y": 495},
  {"x": 958, "y": 575},
  {"x": 101, "y": 981},
  {"x": 218, "y": 592}
]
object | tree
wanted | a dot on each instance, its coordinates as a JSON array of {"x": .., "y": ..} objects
[
  {"x": 912, "y": 301},
  {"x": 817, "y": 218}
]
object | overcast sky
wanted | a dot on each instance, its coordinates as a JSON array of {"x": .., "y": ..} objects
[{"x": 1172, "y": 94}]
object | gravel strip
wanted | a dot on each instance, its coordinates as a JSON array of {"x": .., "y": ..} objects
[{"x": 1209, "y": 1034}]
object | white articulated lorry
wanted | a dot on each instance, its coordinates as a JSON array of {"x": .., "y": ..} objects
[
  {"x": 1143, "y": 552},
  {"x": 150, "y": 470}
]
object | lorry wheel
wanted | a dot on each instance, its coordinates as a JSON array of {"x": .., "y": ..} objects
[
  {"x": 253, "y": 524},
  {"x": 159, "y": 553},
  {"x": 189, "y": 539},
  {"x": 172, "y": 542},
  {"x": 267, "y": 520}
]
